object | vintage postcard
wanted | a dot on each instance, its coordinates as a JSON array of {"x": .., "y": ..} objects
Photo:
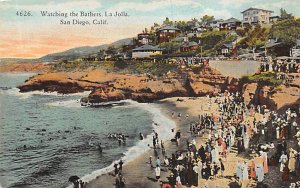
[{"x": 149, "y": 93}]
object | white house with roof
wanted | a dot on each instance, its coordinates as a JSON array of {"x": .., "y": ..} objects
[
  {"x": 295, "y": 51},
  {"x": 230, "y": 24},
  {"x": 215, "y": 24},
  {"x": 146, "y": 51},
  {"x": 253, "y": 16}
]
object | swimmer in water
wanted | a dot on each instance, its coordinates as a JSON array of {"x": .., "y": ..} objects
[
  {"x": 100, "y": 148},
  {"x": 141, "y": 136},
  {"x": 90, "y": 142}
]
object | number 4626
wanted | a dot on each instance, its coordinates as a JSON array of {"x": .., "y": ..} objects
[{"x": 23, "y": 13}]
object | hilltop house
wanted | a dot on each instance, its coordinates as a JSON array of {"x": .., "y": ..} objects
[
  {"x": 167, "y": 33},
  {"x": 254, "y": 16},
  {"x": 274, "y": 19},
  {"x": 271, "y": 44},
  {"x": 143, "y": 38},
  {"x": 145, "y": 51},
  {"x": 215, "y": 24},
  {"x": 189, "y": 47},
  {"x": 198, "y": 30},
  {"x": 230, "y": 24}
]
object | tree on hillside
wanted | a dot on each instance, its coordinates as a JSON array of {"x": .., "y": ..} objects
[
  {"x": 206, "y": 18},
  {"x": 152, "y": 30},
  {"x": 155, "y": 25},
  {"x": 287, "y": 31},
  {"x": 101, "y": 54},
  {"x": 210, "y": 39},
  {"x": 194, "y": 21},
  {"x": 255, "y": 38},
  {"x": 241, "y": 32},
  {"x": 167, "y": 21},
  {"x": 111, "y": 50},
  {"x": 284, "y": 15},
  {"x": 170, "y": 47}
]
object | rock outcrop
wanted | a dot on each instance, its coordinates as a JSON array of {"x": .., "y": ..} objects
[
  {"x": 279, "y": 98},
  {"x": 212, "y": 82},
  {"x": 58, "y": 82}
]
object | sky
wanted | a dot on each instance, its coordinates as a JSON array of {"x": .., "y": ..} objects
[{"x": 35, "y": 36}]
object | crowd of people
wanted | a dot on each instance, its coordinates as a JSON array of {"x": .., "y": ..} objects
[
  {"x": 280, "y": 65},
  {"x": 262, "y": 138}
]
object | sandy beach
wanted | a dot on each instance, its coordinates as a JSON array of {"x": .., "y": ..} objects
[{"x": 138, "y": 172}]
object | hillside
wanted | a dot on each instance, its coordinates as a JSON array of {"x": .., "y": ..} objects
[{"x": 70, "y": 54}]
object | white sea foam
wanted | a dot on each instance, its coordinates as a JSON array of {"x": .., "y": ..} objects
[
  {"x": 25, "y": 95},
  {"x": 18, "y": 74},
  {"x": 68, "y": 104},
  {"x": 163, "y": 129}
]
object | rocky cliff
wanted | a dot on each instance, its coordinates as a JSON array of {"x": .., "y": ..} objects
[
  {"x": 142, "y": 88},
  {"x": 279, "y": 98},
  {"x": 107, "y": 87}
]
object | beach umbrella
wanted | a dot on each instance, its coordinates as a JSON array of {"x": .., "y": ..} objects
[{"x": 73, "y": 178}]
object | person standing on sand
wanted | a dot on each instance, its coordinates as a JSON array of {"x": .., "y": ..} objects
[
  {"x": 178, "y": 181},
  {"x": 197, "y": 170},
  {"x": 245, "y": 175},
  {"x": 150, "y": 161},
  {"x": 154, "y": 142},
  {"x": 252, "y": 170},
  {"x": 158, "y": 162},
  {"x": 157, "y": 173},
  {"x": 222, "y": 167},
  {"x": 116, "y": 169},
  {"x": 283, "y": 159},
  {"x": 292, "y": 161},
  {"x": 215, "y": 170},
  {"x": 264, "y": 156},
  {"x": 120, "y": 165},
  {"x": 259, "y": 169},
  {"x": 239, "y": 170}
]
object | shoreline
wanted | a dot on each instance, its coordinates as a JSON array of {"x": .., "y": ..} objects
[
  {"x": 106, "y": 173},
  {"x": 138, "y": 173}
]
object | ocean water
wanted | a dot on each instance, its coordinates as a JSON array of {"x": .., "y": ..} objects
[{"x": 61, "y": 137}]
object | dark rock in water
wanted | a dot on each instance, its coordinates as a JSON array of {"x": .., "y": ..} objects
[
  {"x": 44, "y": 130},
  {"x": 27, "y": 129},
  {"x": 67, "y": 131}
]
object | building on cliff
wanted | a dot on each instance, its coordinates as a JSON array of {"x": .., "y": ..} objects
[
  {"x": 167, "y": 33},
  {"x": 254, "y": 16},
  {"x": 230, "y": 24},
  {"x": 143, "y": 38},
  {"x": 146, "y": 51},
  {"x": 189, "y": 47}
]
